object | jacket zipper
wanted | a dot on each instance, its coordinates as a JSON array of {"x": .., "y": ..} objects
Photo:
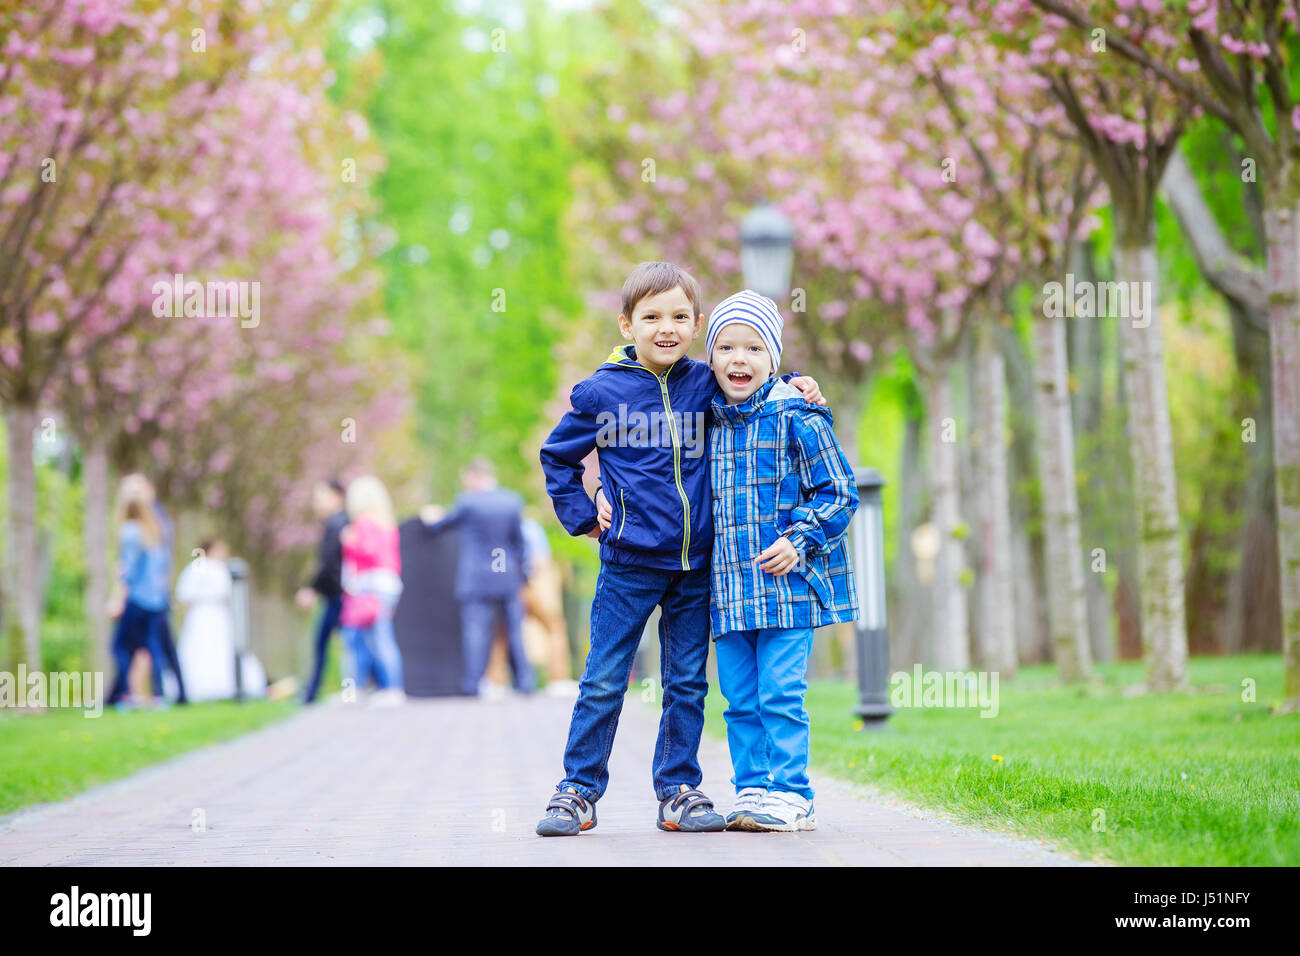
[
  {"x": 677, "y": 460},
  {"x": 677, "y": 470},
  {"x": 622, "y": 521}
]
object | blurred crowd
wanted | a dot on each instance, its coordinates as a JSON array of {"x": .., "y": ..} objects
[{"x": 506, "y": 586}]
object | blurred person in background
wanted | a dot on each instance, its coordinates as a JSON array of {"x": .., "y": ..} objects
[
  {"x": 372, "y": 583},
  {"x": 327, "y": 500},
  {"x": 207, "y": 644},
  {"x": 139, "y": 484},
  {"x": 139, "y": 600},
  {"x": 490, "y": 574},
  {"x": 544, "y": 605}
]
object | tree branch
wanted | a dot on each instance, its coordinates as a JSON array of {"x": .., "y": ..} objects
[{"x": 1231, "y": 275}]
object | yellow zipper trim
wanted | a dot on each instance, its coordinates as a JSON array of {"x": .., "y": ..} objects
[
  {"x": 677, "y": 469},
  {"x": 677, "y": 457},
  {"x": 622, "y": 504}
]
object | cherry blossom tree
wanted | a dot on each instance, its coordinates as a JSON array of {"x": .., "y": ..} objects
[
  {"x": 1232, "y": 60},
  {"x": 1129, "y": 123},
  {"x": 190, "y": 140}
]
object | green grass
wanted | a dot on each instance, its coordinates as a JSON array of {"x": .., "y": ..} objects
[
  {"x": 51, "y": 756},
  {"x": 1194, "y": 779}
]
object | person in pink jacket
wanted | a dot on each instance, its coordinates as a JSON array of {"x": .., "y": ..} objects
[{"x": 372, "y": 583}]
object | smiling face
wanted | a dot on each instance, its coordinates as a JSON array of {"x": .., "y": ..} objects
[
  {"x": 662, "y": 327},
  {"x": 740, "y": 361}
]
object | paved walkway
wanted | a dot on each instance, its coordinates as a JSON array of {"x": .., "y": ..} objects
[{"x": 452, "y": 782}]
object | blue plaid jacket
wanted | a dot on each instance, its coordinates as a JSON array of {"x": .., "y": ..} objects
[{"x": 776, "y": 467}]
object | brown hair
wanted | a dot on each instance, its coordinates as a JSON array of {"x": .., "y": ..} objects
[{"x": 651, "y": 278}]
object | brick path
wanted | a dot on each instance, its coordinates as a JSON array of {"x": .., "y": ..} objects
[{"x": 452, "y": 782}]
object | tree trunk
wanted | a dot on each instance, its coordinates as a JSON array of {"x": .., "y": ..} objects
[
  {"x": 951, "y": 651},
  {"x": 997, "y": 628},
  {"x": 1067, "y": 610},
  {"x": 98, "y": 576},
  {"x": 1030, "y": 581},
  {"x": 1160, "y": 559},
  {"x": 1086, "y": 348},
  {"x": 912, "y": 610},
  {"x": 1237, "y": 517},
  {"x": 1282, "y": 227},
  {"x": 23, "y": 588}
]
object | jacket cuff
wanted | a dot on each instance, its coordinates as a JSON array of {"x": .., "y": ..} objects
[{"x": 799, "y": 540}]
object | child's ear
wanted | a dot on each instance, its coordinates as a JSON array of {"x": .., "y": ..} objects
[
  {"x": 699, "y": 323},
  {"x": 625, "y": 325}
]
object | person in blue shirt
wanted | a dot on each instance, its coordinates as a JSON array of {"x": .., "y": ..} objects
[{"x": 140, "y": 600}]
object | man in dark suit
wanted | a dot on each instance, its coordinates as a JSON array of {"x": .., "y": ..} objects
[{"x": 490, "y": 573}]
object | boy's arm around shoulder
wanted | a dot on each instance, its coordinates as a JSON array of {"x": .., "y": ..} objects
[
  {"x": 571, "y": 441},
  {"x": 826, "y": 484}
]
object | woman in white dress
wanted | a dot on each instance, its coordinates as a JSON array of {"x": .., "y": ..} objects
[{"x": 207, "y": 643}]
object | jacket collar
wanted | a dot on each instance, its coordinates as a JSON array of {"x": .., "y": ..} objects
[
  {"x": 624, "y": 356},
  {"x": 773, "y": 392}
]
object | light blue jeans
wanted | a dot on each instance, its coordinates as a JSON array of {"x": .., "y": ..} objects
[
  {"x": 763, "y": 674},
  {"x": 374, "y": 649}
]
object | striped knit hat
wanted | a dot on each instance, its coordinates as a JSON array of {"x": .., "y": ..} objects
[{"x": 756, "y": 311}]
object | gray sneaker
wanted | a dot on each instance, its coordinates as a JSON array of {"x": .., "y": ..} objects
[
  {"x": 689, "y": 811},
  {"x": 786, "y": 812},
  {"x": 748, "y": 802},
  {"x": 568, "y": 814}
]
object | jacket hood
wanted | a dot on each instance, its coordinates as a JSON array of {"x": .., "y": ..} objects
[
  {"x": 772, "y": 396},
  {"x": 624, "y": 357}
]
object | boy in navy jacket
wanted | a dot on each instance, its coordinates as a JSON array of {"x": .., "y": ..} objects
[{"x": 646, "y": 410}]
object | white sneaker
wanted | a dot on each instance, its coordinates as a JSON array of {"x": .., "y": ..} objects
[
  {"x": 784, "y": 811},
  {"x": 388, "y": 697},
  {"x": 748, "y": 802},
  {"x": 567, "y": 689}
]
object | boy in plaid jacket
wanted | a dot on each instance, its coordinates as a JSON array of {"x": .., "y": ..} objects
[{"x": 783, "y": 496}]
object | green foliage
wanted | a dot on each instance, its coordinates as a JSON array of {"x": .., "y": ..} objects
[
  {"x": 475, "y": 186},
  {"x": 1194, "y": 779},
  {"x": 891, "y": 396},
  {"x": 63, "y": 562},
  {"x": 51, "y": 756}
]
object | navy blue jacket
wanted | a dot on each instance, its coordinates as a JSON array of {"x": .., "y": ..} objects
[
  {"x": 651, "y": 432},
  {"x": 491, "y": 543}
]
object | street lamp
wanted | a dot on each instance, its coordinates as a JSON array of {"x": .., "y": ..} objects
[
  {"x": 766, "y": 251},
  {"x": 867, "y": 541}
]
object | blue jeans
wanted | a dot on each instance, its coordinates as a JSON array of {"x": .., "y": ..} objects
[
  {"x": 374, "y": 650},
  {"x": 625, "y": 597},
  {"x": 325, "y": 626},
  {"x": 137, "y": 627},
  {"x": 763, "y": 674},
  {"x": 478, "y": 617}
]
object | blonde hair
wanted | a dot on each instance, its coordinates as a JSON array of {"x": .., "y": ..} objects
[
  {"x": 134, "y": 504},
  {"x": 368, "y": 497}
]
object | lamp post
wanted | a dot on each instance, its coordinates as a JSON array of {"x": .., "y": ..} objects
[
  {"x": 239, "y": 618},
  {"x": 867, "y": 542},
  {"x": 766, "y": 251}
]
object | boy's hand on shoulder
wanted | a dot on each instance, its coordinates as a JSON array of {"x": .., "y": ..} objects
[
  {"x": 812, "y": 393},
  {"x": 778, "y": 558}
]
